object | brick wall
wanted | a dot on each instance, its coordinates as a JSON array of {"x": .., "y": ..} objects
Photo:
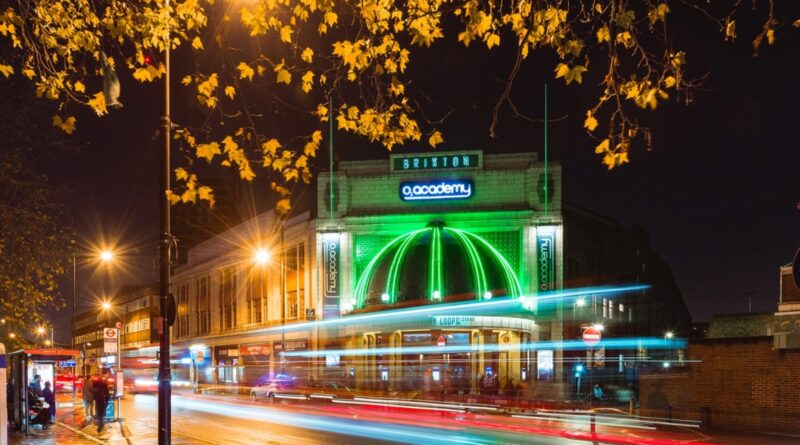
[{"x": 740, "y": 384}]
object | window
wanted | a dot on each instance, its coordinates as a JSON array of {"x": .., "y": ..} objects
[
  {"x": 621, "y": 311},
  {"x": 203, "y": 305},
  {"x": 295, "y": 281},
  {"x": 605, "y": 307},
  {"x": 227, "y": 298},
  {"x": 183, "y": 310},
  {"x": 257, "y": 296}
]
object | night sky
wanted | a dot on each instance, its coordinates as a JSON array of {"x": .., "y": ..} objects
[{"x": 717, "y": 193}]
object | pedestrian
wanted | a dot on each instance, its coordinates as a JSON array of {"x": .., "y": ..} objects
[
  {"x": 35, "y": 385},
  {"x": 100, "y": 387},
  {"x": 88, "y": 399},
  {"x": 50, "y": 398},
  {"x": 598, "y": 392}
]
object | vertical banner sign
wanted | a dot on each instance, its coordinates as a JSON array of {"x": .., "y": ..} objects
[
  {"x": 545, "y": 257},
  {"x": 331, "y": 247}
]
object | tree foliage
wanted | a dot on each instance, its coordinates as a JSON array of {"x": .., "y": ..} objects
[
  {"x": 357, "y": 53},
  {"x": 34, "y": 242}
]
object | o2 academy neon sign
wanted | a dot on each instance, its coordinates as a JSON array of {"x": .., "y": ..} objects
[{"x": 443, "y": 189}]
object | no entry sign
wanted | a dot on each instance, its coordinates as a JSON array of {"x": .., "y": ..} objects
[{"x": 591, "y": 336}]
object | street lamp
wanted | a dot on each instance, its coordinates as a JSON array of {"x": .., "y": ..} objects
[{"x": 106, "y": 256}]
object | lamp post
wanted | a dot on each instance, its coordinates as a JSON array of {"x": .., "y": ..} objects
[{"x": 165, "y": 244}]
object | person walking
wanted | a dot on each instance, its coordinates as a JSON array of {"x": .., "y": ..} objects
[
  {"x": 50, "y": 398},
  {"x": 100, "y": 387},
  {"x": 88, "y": 400}
]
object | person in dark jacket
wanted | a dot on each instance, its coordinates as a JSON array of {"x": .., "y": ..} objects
[
  {"x": 35, "y": 385},
  {"x": 100, "y": 389},
  {"x": 50, "y": 398}
]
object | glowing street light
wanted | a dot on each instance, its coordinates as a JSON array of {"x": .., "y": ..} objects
[
  {"x": 40, "y": 330},
  {"x": 598, "y": 326},
  {"x": 261, "y": 257},
  {"x": 12, "y": 335},
  {"x": 106, "y": 256},
  {"x": 669, "y": 334},
  {"x": 106, "y": 305},
  {"x": 581, "y": 302}
]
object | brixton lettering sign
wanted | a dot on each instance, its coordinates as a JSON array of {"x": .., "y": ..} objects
[
  {"x": 436, "y": 162},
  {"x": 442, "y": 189}
]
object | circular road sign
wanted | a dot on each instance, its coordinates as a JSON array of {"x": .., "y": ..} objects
[
  {"x": 591, "y": 336},
  {"x": 441, "y": 341},
  {"x": 110, "y": 333}
]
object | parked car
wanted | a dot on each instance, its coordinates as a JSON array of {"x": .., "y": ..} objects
[
  {"x": 328, "y": 390},
  {"x": 267, "y": 388}
]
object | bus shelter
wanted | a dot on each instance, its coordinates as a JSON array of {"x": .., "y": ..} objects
[{"x": 22, "y": 366}]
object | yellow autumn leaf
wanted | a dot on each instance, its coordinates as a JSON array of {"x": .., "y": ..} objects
[
  {"x": 29, "y": 73},
  {"x": 331, "y": 18},
  {"x": 286, "y": 34},
  {"x": 283, "y": 206},
  {"x": 602, "y": 147},
  {"x": 770, "y": 37},
  {"x": 208, "y": 151},
  {"x": 245, "y": 72},
  {"x": 590, "y": 123},
  {"x": 79, "y": 87},
  {"x": 307, "y": 55},
  {"x": 206, "y": 193},
  {"x": 197, "y": 43},
  {"x": 98, "y": 103},
  {"x": 670, "y": 82},
  {"x": 271, "y": 146},
  {"x": 187, "y": 80},
  {"x": 284, "y": 76},
  {"x": 570, "y": 74},
  {"x": 307, "y": 81},
  {"x": 435, "y": 139},
  {"x": 230, "y": 91},
  {"x": 6, "y": 70},
  {"x": 181, "y": 174},
  {"x": 625, "y": 38},
  {"x": 172, "y": 197},
  {"x": 492, "y": 40},
  {"x": 67, "y": 125},
  {"x": 603, "y": 35}
]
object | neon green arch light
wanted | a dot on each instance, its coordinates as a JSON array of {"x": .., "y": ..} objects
[{"x": 477, "y": 250}]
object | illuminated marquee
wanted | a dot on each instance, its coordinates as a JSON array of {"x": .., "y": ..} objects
[{"x": 436, "y": 190}]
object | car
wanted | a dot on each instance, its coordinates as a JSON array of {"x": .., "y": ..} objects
[
  {"x": 149, "y": 385},
  {"x": 328, "y": 390},
  {"x": 267, "y": 388}
]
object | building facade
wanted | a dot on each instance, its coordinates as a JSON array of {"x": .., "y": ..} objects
[{"x": 418, "y": 272}]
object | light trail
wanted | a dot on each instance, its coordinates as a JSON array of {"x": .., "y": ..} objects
[
  {"x": 399, "y": 315},
  {"x": 369, "y": 430},
  {"x": 567, "y": 345}
]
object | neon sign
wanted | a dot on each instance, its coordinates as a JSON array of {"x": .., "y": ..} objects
[
  {"x": 436, "y": 162},
  {"x": 436, "y": 190},
  {"x": 545, "y": 251}
]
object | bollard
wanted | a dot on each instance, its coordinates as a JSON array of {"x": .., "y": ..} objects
[{"x": 3, "y": 399}]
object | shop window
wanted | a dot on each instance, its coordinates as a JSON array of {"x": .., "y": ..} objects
[
  {"x": 227, "y": 298},
  {"x": 203, "y": 305},
  {"x": 257, "y": 296},
  {"x": 183, "y": 310},
  {"x": 295, "y": 281}
]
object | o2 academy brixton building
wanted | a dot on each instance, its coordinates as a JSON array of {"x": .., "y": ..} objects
[{"x": 425, "y": 272}]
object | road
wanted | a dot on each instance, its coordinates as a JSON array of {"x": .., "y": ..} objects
[{"x": 232, "y": 421}]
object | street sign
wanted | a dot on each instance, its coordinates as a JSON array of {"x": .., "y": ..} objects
[
  {"x": 110, "y": 343},
  {"x": 591, "y": 336},
  {"x": 119, "y": 325},
  {"x": 441, "y": 341}
]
